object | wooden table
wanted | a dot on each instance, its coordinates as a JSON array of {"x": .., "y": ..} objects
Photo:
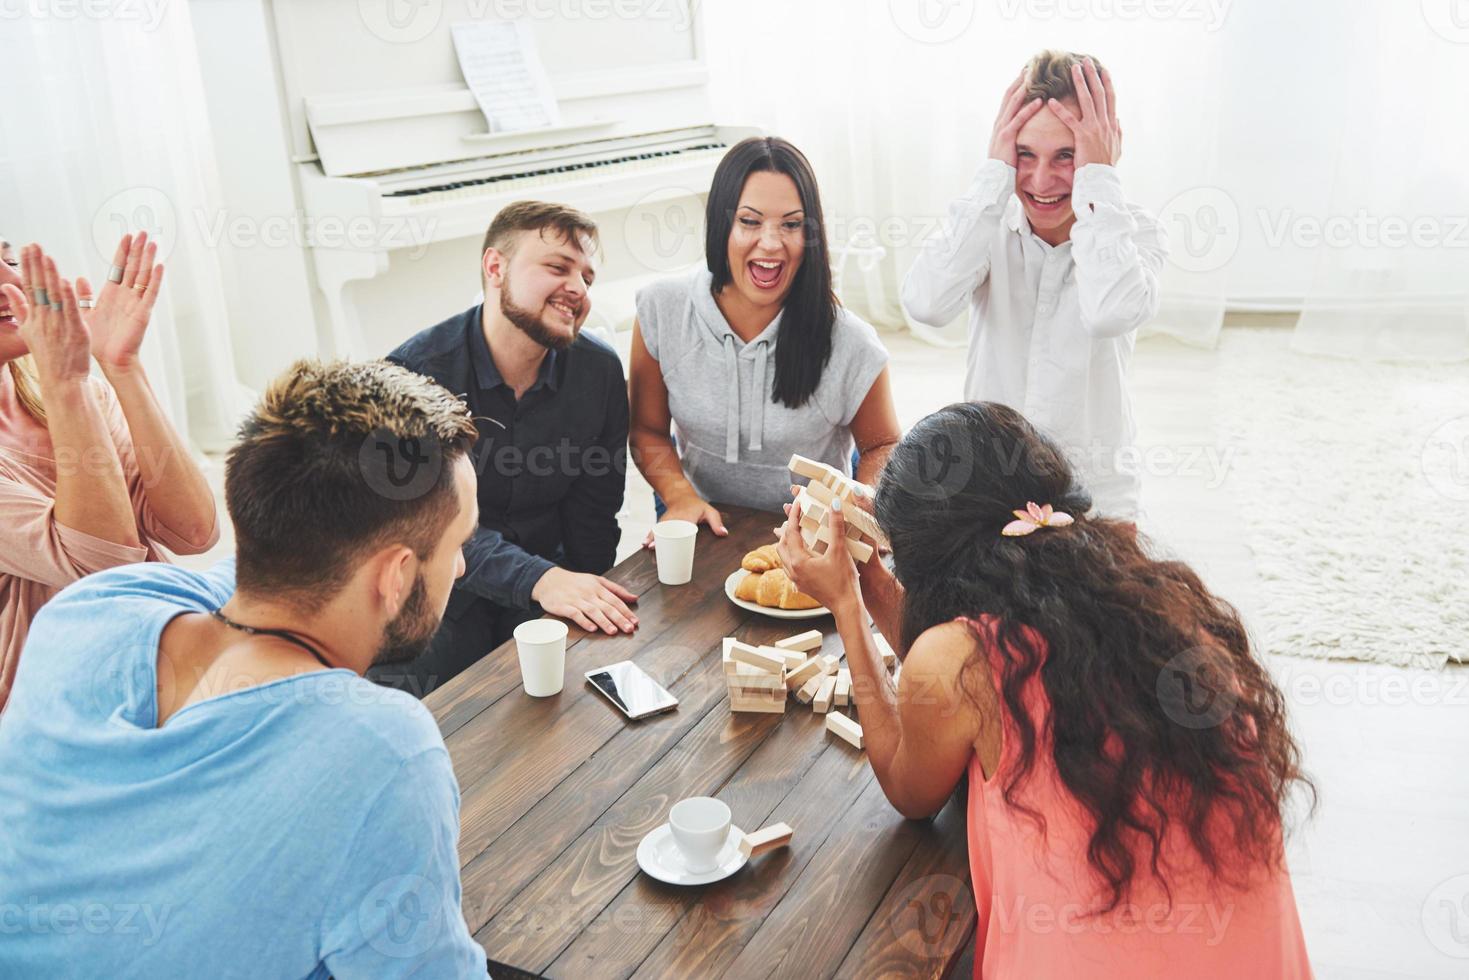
[{"x": 557, "y": 793}]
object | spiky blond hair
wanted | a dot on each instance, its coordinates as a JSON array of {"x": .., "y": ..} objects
[{"x": 1050, "y": 74}]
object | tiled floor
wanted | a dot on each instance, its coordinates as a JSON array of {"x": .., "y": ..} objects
[{"x": 1382, "y": 871}]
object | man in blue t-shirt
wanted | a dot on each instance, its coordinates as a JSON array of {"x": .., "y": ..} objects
[{"x": 195, "y": 778}]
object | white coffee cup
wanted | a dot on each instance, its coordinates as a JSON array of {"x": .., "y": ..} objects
[
  {"x": 700, "y": 826},
  {"x": 541, "y": 644},
  {"x": 673, "y": 545}
]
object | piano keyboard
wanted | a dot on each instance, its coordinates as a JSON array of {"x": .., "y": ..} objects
[{"x": 473, "y": 187}]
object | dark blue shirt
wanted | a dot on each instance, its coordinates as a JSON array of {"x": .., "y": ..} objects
[{"x": 552, "y": 465}]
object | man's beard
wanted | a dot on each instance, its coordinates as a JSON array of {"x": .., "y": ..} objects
[
  {"x": 531, "y": 325},
  {"x": 408, "y": 636}
]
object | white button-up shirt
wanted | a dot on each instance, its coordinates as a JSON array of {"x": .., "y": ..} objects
[{"x": 1051, "y": 329}]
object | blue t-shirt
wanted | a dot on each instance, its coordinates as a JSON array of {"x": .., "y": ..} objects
[{"x": 299, "y": 828}]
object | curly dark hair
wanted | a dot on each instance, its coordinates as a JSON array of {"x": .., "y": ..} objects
[{"x": 1124, "y": 636}]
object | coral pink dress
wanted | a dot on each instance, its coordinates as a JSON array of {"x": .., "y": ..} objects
[
  {"x": 1033, "y": 891},
  {"x": 40, "y": 556}
]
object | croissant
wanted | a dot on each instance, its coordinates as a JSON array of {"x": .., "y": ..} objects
[
  {"x": 748, "y": 589},
  {"x": 776, "y": 590},
  {"x": 762, "y": 559}
]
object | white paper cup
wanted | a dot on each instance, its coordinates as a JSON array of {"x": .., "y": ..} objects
[
  {"x": 541, "y": 644},
  {"x": 673, "y": 546},
  {"x": 700, "y": 826}
]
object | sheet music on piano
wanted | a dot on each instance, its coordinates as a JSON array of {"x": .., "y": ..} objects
[{"x": 503, "y": 69}]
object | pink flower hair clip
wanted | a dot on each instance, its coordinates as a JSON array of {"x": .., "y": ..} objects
[{"x": 1033, "y": 517}]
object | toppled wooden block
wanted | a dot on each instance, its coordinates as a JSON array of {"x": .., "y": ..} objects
[
  {"x": 829, "y": 663},
  {"x": 842, "y": 693},
  {"x": 889, "y": 657},
  {"x": 809, "y": 689},
  {"x": 808, "y": 669},
  {"x": 845, "y": 728},
  {"x": 821, "y": 703},
  {"x": 766, "y": 839},
  {"x": 729, "y": 662},
  {"x": 801, "y": 642},
  {"x": 764, "y": 658}
]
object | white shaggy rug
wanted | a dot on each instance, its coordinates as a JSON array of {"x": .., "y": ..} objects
[{"x": 1353, "y": 481}]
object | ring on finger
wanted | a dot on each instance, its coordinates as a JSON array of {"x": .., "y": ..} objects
[
  {"x": 55, "y": 304},
  {"x": 40, "y": 296},
  {"x": 114, "y": 273},
  {"x": 140, "y": 286},
  {"x": 86, "y": 304}
]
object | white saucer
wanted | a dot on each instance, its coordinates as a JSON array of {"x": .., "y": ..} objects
[
  {"x": 660, "y": 857},
  {"x": 733, "y": 582}
]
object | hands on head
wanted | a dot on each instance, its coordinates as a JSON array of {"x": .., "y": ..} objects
[
  {"x": 1095, "y": 130},
  {"x": 60, "y": 335},
  {"x": 1098, "y": 134}
]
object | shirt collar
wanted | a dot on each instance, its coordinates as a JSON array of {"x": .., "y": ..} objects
[
  {"x": 1016, "y": 221},
  {"x": 486, "y": 376}
]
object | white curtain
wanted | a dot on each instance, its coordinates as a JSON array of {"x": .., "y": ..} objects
[
  {"x": 1240, "y": 116},
  {"x": 1391, "y": 279},
  {"x": 102, "y": 131}
]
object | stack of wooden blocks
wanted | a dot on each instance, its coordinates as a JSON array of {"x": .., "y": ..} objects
[
  {"x": 760, "y": 677},
  {"x": 828, "y": 484}
]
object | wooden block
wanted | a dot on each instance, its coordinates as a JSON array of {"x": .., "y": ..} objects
[
  {"x": 889, "y": 657},
  {"x": 861, "y": 550},
  {"x": 809, "y": 669},
  {"x": 845, "y": 728},
  {"x": 766, "y": 658},
  {"x": 862, "y": 521},
  {"x": 811, "y": 523},
  {"x": 754, "y": 679},
  {"x": 842, "y": 693},
  {"x": 809, "y": 640},
  {"x": 809, "y": 689},
  {"x": 821, "y": 492},
  {"x": 809, "y": 468},
  {"x": 821, "y": 703},
  {"x": 729, "y": 662},
  {"x": 810, "y": 506},
  {"x": 759, "y": 707},
  {"x": 755, "y": 691},
  {"x": 829, "y": 664},
  {"x": 766, "y": 839}
]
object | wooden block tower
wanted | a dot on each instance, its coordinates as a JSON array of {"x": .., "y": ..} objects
[{"x": 827, "y": 484}]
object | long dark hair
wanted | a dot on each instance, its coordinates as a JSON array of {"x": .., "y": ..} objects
[
  {"x": 803, "y": 343},
  {"x": 1128, "y": 641}
]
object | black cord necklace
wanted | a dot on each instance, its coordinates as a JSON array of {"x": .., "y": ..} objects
[{"x": 289, "y": 637}]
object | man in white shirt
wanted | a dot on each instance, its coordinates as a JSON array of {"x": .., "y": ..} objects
[{"x": 1058, "y": 269}]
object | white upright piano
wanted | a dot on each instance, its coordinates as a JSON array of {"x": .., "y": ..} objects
[{"x": 396, "y": 178}]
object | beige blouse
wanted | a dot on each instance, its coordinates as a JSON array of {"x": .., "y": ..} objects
[{"x": 39, "y": 556}]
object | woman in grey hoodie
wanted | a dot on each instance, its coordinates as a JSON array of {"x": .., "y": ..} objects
[{"x": 754, "y": 359}]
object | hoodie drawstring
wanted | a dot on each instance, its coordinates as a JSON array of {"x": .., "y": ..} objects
[
  {"x": 758, "y": 391},
  {"x": 731, "y": 401}
]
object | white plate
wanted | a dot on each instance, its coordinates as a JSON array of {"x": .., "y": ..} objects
[
  {"x": 660, "y": 857},
  {"x": 734, "y": 580}
]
